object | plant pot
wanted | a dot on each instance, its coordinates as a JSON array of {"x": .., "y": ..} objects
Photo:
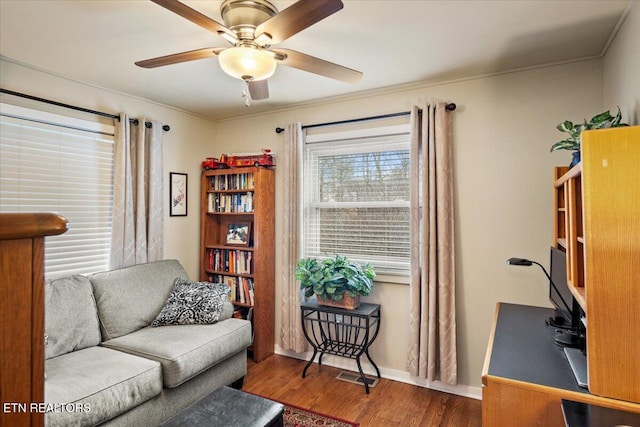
[
  {"x": 575, "y": 159},
  {"x": 348, "y": 302}
]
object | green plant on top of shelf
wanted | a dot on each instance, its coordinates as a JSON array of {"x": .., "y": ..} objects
[{"x": 600, "y": 121}]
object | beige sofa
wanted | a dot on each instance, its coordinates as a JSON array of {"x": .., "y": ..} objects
[{"x": 105, "y": 364}]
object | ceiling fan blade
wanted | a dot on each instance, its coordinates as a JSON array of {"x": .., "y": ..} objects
[
  {"x": 318, "y": 66},
  {"x": 295, "y": 18},
  {"x": 259, "y": 89},
  {"x": 196, "y": 17},
  {"x": 176, "y": 58}
]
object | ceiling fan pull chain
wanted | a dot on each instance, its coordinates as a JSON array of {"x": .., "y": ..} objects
[{"x": 246, "y": 94}]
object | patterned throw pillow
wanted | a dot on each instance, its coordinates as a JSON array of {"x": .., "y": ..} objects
[{"x": 193, "y": 303}]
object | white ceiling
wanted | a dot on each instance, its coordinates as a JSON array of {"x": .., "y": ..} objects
[{"x": 392, "y": 42}]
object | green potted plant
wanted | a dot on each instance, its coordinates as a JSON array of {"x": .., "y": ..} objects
[
  {"x": 600, "y": 121},
  {"x": 336, "y": 281}
]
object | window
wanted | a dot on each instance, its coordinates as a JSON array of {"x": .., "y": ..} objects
[
  {"x": 356, "y": 197},
  {"x": 52, "y": 163}
]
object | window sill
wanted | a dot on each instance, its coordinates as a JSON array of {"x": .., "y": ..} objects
[{"x": 392, "y": 278}]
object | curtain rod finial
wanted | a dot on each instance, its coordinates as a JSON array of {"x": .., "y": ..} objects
[
  {"x": 451, "y": 107},
  {"x": 279, "y": 130}
]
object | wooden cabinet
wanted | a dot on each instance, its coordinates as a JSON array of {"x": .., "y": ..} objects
[
  {"x": 234, "y": 202},
  {"x": 22, "y": 313},
  {"x": 597, "y": 211}
]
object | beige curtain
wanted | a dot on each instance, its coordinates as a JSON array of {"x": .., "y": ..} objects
[
  {"x": 137, "y": 223},
  {"x": 432, "y": 352},
  {"x": 291, "y": 336}
]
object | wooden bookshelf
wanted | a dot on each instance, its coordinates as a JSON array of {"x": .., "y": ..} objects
[
  {"x": 242, "y": 199},
  {"x": 597, "y": 223},
  {"x": 568, "y": 226}
]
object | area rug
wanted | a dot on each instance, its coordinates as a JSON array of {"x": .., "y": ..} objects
[{"x": 295, "y": 416}]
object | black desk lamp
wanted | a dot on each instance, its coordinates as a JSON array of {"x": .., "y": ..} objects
[{"x": 569, "y": 339}]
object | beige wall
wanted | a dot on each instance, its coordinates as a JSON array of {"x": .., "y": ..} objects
[
  {"x": 503, "y": 129},
  {"x": 621, "y": 69},
  {"x": 185, "y": 145}
]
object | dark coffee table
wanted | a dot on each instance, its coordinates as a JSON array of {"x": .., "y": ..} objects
[{"x": 228, "y": 407}]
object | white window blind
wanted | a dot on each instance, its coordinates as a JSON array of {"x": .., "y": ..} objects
[
  {"x": 47, "y": 164},
  {"x": 356, "y": 197}
]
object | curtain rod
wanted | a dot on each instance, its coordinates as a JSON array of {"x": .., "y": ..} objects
[
  {"x": 73, "y": 107},
  {"x": 449, "y": 107}
]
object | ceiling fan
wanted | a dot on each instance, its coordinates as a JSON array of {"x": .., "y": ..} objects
[{"x": 252, "y": 27}]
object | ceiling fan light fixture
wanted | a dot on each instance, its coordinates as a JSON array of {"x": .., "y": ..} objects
[{"x": 247, "y": 63}]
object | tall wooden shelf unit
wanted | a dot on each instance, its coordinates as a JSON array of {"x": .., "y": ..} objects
[
  {"x": 597, "y": 212},
  {"x": 242, "y": 196}
]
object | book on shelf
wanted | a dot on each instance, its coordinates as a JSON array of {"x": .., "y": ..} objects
[
  {"x": 244, "y": 313},
  {"x": 241, "y": 181},
  {"x": 242, "y": 289},
  {"x": 232, "y": 282},
  {"x": 251, "y": 295},
  {"x": 247, "y": 290},
  {"x": 232, "y": 261},
  {"x": 230, "y": 203}
]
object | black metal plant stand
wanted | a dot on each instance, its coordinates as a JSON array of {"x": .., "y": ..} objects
[{"x": 341, "y": 332}]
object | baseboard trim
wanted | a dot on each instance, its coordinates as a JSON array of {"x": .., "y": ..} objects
[{"x": 390, "y": 374}]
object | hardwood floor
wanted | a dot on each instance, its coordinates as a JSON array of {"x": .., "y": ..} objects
[{"x": 389, "y": 403}]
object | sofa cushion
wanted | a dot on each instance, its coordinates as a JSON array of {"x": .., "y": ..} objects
[
  {"x": 90, "y": 386},
  {"x": 186, "y": 350},
  {"x": 193, "y": 303},
  {"x": 130, "y": 298},
  {"x": 71, "y": 318}
]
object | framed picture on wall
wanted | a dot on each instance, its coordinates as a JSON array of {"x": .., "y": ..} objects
[
  {"x": 238, "y": 233},
  {"x": 178, "y": 194}
]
